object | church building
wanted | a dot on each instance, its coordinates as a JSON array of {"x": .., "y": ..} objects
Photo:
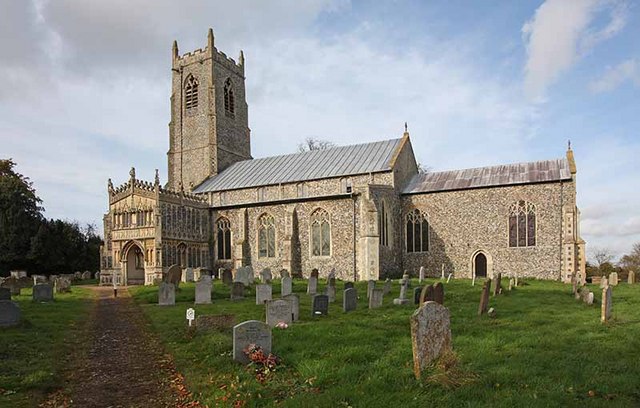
[{"x": 364, "y": 210}]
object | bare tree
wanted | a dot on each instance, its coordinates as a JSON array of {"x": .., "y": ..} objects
[
  {"x": 631, "y": 261},
  {"x": 311, "y": 144},
  {"x": 601, "y": 256}
]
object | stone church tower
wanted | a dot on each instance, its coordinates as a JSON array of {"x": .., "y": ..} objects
[{"x": 209, "y": 128}]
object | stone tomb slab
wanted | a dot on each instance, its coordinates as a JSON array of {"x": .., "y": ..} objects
[
  {"x": 430, "y": 335},
  {"x": 42, "y": 292},
  {"x": 349, "y": 300},
  {"x": 263, "y": 293},
  {"x": 9, "y": 313},
  {"x": 320, "y": 305},
  {"x": 279, "y": 311},
  {"x": 166, "y": 294},
  {"x": 250, "y": 332}
]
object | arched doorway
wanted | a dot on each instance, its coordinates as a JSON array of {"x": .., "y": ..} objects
[
  {"x": 135, "y": 265},
  {"x": 480, "y": 265}
]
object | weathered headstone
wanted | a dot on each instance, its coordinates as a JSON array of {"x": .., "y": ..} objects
[
  {"x": 295, "y": 306},
  {"x": 589, "y": 300},
  {"x": 331, "y": 293},
  {"x": 371, "y": 285},
  {"x": 386, "y": 289},
  {"x": 215, "y": 322},
  {"x": 203, "y": 291},
  {"x": 331, "y": 282},
  {"x": 348, "y": 285},
  {"x": 250, "y": 332},
  {"x": 166, "y": 294},
  {"x": 86, "y": 275},
  {"x": 320, "y": 305},
  {"x": 199, "y": 273},
  {"x": 404, "y": 287},
  {"x": 13, "y": 285},
  {"x": 174, "y": 275},
  {"x": 237, "y": 291},
  {"x": 266, "y": 276},
  {"x": 42, "y": 292},
  {"x": 314, "y": 273},
  {"x": 279, "y": 311},
  {"x": 605, "y": 312},
  {"x": 484, "y": 298},
  {"x": 9, "y": 313},
  {"x": 284, "y": 273},
  {"x": 40, "y": 279},
  {"x": 613, "y": 278},
  {"x": 416, "y": 295},
  {"x": 227, "y": 277},
  {"x": 62, "y": 285},
  {"x": 312, "y": 286},
  {"x": 438, "y": 293},
  {"x": 349, "y": 300},
  {"x": 498, "y": 288},
  {"x": 332, "y": 275},
  {"x": 426, "y": 295},
  {"x": 430, "y": 335},
  {"x": 375, "y": 301},
  {"x": 631, "y": 278},
  {"x": 421, "y": 274},
  {"x": 263, "y": 293},
  {"x": 77, "y": 275},
  {"x": 285, "y": 286},
  {"x": 5, "y": 294},
  {"x": 244, "y": 275},
  {"x": 511, "y": 284}
]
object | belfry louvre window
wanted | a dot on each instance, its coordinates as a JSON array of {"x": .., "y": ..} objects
[
  {"x": 224, "y": 238},
  {"x": 191, "y": 93},
  {"x": 266, "y": 237},
  {"x": 383, "y": 224},
  {"x": 320, "y": 233},
  {"x": 229, "y": 100},
  {"x": 417, "y": 232},
  {"x": 522, "y": 224}
]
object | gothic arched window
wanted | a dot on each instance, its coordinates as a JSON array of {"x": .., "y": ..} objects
[
  {"x": 522, "y": 224},
  {"x": 229, "y": 100},
  {"x": 223, "y": 227},
  {"x": 320, "y": 233},
  {"x": 383, "y": 224},
  {"x": 266, "y": 237},
  {"x": 417, "y": 232},
  {"x": 191, "y": 93}
]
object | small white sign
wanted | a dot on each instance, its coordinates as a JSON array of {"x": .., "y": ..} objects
[{"x": 191, "y": 315}]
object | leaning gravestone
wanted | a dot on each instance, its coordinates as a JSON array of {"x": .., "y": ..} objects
[
  {"x": 295, "y": 306},
  {"x": 416, "y": 295},
  {"x": 174, "y": 275},
  {"x": 279, "y": 311},
  {"x": 227, "y": 277},
  {"x": 349, "y": 300},
  {"x": 605, "y": 313},
  {"x": 263, "y": 293},
  {"x": 348, "y": 285},
  {"x": 5, "y": 294},
  {"x": 484, "y": 298},
  {"x": 9, "y": 313},
  {"x": 250, "y": 332},
  {"x": 371, "y": 284},
  {"x": 86, "y": 275},
  {"x": 166, "y": 294},
  {"x": 498, "y": 287},
  {"x": 312, "y": 286},
  {"x": 430, "y": 335},
  {"x": 42, "y": 292},
  {"x": 386, "y": 289},
  {"x": 331, "y": 293},
  {"x": 438, "y": 293},
  {"x": 421, "y": 274},
  {"x": 427, "y": 294},
  {"x": 320, "y": 305},
  {"x": 285, "y": 286},
  {"x": 266, "y": 276},
  {"x": 375, "y": 301},
  {"x": 203, "y": 291},
  {"x": 237, "y": 291},
  {"x": 613, "y": 278}
]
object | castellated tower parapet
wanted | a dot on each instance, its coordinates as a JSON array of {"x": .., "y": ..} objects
[{"x": 209, "y": 115}]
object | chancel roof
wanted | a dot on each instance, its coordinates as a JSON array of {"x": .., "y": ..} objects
[
  {"x": 505, "y": 175},
  {"x": 314, "y": 165}
]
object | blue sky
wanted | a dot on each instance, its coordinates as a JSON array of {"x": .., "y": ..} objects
[{"x": 84, "y": 88}]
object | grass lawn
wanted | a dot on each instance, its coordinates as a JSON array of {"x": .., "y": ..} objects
[
  {"x": 543, "y": 349},
  {"x": 32, "y": 355}
]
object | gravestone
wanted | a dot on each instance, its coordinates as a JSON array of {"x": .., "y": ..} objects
[
  {"x": 421, "y": 274},
  {"x": 263, "y": 293},
  {"x": 279, "y": 311},
  {"x": 237, "y": 291},
  {"x": 484, "y": 297},
  {"x": 321, "y": 305},
  {"x": 371, "y": 285},
  {"x": 416, "y": 295},
  {"x": 199, "y": 273},
  {"x": 285, "y": 286},
  {"x": 39, "y": 279},
  {"x": 426, "y": 295},
  {"x": 386, "y": 289},
  {"x": 348, "y": 285},
  {"x": 215, "y": 322},
  {"x": 77, "y": 275},
  {"x": 227, "y": 277},
  {"x": 244, "y": 275},
  {"x": 250, "y": 332},
  {"x": 9, "y": 313},
  {"x": 430, "y": 335},
  {"x": 42, "y": 292},
  {"x": 203, "y": 291},
  {"x": 605, "y": 312},
  {"x": 511, "y": 283},
  {"x": 583, "y": 293},
  {"x": 349, "y": 300},
  {"x": 187, "y": 275},
  {"x": 613, "y": 278},
  {"x": 284, "y": 273},
  {"x": 166, "y": 294},
  {"x": 314, "y": 273},
  {"x": 589, "y": 300},
  {"x": 13, "y": 285},
  {"x": 438, "y": 293},
  {"x": 332, "y": 275},
  {"x": 62, "y": 285},
  {"x": 375, "y": 301},
  {"x": 86, "y": 275},
  {"x": 312, "y": 286},
  {"x": 295, "y": 306},
  {"x": 498, "y": 288},
  {"x": 5, "y": 294},
  {"x": 402, "y": 300},
  {"x": 174, "y": 275},
  {"x": 332, "y": 282},
  {"x": 330, "y": 291},
  {"x": 266, "y": 276},
  {"x": 631, "y": 278}
]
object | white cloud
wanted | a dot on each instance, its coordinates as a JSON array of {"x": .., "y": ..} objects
[
  {"x": 614, "y": 76},
  {"x": 560, "y": 33}
]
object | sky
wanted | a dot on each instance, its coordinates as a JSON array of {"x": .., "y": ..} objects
[{"x": 85, "y": 86}]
